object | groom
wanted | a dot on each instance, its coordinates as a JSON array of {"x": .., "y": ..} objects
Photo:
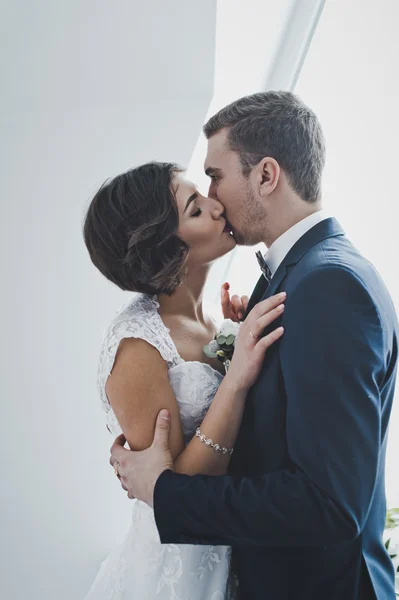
[{"x": 303, "y": 505}]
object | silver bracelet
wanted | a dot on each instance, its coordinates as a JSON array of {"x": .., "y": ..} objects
[{"x": 210, "y": 443}]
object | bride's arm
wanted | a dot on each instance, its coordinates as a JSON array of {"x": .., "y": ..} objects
[{"x": 138, "y": 388}]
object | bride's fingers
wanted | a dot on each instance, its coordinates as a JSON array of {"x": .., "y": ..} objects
[
  {"x": 266, "y": 306},
  {"x": 260, "y": 324},
  {"x": 237, "y": 304},
  {"x": 225, "y": 300},
  {"x": 267, "y": 341},
  {"x": 242, "y": 307}
]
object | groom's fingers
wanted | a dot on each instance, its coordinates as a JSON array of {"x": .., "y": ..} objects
[
  {"x": 120, "y": 441},
  {"x": 162, "y": 427},
  {"x": 118, "y": 452}
]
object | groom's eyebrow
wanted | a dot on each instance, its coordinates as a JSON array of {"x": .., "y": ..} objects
[
  {"x": 212, "y": 171},
  {"x": 191, "y": 199}
]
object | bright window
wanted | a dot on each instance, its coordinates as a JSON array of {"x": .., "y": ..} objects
[{"x": 350, "y": 79}]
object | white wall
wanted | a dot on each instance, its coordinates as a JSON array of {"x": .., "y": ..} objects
[{"x": 88, "y": 89}]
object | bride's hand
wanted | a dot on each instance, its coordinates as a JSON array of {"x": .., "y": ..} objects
[
  {"x": 233, "y": 308},
  {"x": 250, "y": 347}
]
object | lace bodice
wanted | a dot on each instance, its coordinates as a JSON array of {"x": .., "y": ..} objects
[
  {"x": 141, "y": 567},
  {"x": 194, "y": 383}
]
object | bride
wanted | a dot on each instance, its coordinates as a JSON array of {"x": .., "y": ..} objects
[{"x": 150, "y": 231}]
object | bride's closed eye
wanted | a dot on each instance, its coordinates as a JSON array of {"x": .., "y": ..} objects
[{"x": 197, "y": 213}]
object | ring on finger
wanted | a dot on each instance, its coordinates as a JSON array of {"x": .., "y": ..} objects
[{"x": 253, "y": 335}]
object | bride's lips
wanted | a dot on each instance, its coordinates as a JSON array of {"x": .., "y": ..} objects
[{"x": 227, "y": 228}]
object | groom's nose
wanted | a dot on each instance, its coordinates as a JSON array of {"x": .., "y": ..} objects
[{"x": 212, "y": 192}]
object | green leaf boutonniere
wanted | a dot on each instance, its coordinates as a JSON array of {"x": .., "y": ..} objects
[{"x": 222, "y": 346}]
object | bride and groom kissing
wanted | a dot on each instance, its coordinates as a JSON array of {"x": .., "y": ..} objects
[{"x": 294, "y": 507}]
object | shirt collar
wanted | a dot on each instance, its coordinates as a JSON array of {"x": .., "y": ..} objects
[{"x": 282, "y": 245}]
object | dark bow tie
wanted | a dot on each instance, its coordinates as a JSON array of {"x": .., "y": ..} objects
[{"x": 267, "y": 274}]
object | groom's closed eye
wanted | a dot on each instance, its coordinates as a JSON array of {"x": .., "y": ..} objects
[{"x": 213, "y": 173}]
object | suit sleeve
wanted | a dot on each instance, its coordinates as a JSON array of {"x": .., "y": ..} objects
[{"x": 332, "y": 358}]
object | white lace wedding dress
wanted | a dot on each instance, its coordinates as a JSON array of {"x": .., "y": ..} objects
[{"x": 142, "y": 568}]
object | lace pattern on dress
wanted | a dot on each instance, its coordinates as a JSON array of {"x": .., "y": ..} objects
[
  {"x": 141, "y": 567},
  {"x": 138, "y": 319}
]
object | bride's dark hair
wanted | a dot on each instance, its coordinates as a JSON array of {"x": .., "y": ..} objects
[{"x": 130, "y": 230}]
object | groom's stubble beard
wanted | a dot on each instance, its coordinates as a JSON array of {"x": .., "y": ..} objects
[{"x": 253, "y": 222}]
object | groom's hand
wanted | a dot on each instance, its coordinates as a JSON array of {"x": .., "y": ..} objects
[
  {"x": 139, "y": 471},
  {"x": 233, "y": 308}
]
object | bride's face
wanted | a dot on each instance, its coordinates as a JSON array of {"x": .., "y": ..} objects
[{"x": 201, "y": 224}]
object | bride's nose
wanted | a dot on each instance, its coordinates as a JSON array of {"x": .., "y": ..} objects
[{"x": 217, "y": 209}]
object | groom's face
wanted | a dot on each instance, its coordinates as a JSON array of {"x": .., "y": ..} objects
[{"x": 243, "y": 210}]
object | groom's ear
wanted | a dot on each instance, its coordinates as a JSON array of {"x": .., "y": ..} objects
[{"x": 268, "y": 175}]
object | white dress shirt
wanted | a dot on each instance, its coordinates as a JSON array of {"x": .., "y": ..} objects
[{"x": 282, "y": 245}]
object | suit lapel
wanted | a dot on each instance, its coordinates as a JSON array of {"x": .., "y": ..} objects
[
  {"x": 323, "y": 230},
  {"x": 257, "y": 294}
]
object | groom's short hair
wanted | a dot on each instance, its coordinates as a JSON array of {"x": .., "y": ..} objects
[{"x": 279, "y": 125}]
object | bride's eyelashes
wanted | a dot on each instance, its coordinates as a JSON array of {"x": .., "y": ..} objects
[{"x": 197, "y": 213}]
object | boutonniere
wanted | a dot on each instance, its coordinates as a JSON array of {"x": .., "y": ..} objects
[{"x": 222, "y": 346}]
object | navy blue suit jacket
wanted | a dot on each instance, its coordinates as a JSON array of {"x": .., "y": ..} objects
[{"x": 303, "y": 504}]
